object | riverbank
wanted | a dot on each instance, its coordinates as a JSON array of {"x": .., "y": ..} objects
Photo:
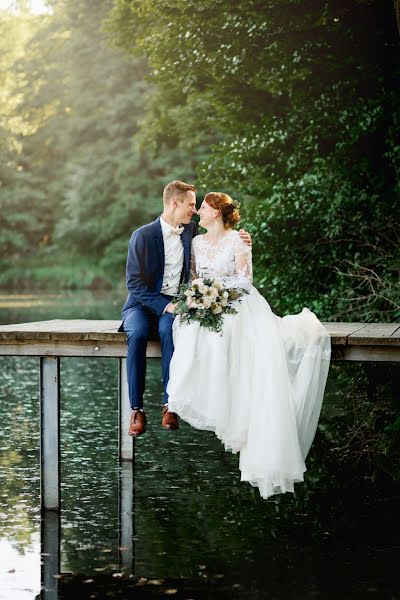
[{"x": 68, "y": 273}]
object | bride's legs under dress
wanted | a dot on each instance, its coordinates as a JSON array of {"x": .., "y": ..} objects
[{"x": 259, "y": 387}]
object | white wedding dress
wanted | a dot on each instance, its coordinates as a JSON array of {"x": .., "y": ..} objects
[{"x": 259, "y": 386}]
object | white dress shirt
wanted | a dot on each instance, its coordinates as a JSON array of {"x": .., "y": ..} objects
[{"x": 173, "y": 252}]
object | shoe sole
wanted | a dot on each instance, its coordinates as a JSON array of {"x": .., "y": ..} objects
[{"x": 136, "y": 434}]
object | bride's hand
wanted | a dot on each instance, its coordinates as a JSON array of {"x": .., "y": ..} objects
[
  {"x": 246, "y": 237},
  {"x": 170, "y": 308}
]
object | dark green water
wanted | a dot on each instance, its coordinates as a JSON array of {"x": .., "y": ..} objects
[{"x": 199, "y": 532}]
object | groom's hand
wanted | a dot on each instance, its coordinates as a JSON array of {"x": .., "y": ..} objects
[{"x": 246, "y": 237}]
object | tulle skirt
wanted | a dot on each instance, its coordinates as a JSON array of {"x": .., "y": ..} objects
[{"x": 259, "y": 386}]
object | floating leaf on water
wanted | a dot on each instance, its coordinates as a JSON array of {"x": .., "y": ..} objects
[
  {"x": 171, "y": 591},
  {"x": 155, "y": 581}
]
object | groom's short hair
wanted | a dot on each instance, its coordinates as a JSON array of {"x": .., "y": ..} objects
[{"x": 177, "y": 189}]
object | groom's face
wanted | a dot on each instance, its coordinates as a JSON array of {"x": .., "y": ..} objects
[{"x": 186, "y": 209}]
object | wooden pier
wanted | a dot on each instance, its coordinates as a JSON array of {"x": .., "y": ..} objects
[{"x": 51, "y": 340}]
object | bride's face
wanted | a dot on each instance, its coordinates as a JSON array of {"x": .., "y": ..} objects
[{"x": 207, "y": 214}]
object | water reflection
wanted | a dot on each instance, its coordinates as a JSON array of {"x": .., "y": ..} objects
[
  {"x": 64, "y": 304},
  {"x": 51, "y": 569},
  {"x": 185, "y": 526},
  {"x": 50, "y": 554},
  {"x": 126, "y": 511}
]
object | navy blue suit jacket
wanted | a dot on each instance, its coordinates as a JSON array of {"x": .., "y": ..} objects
[{"x": 145, "y": 266}]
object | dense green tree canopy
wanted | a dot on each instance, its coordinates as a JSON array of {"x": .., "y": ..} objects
[
  {"x": 303, "y": 97},
  {"x": 17, "y": 228},
  {"x": 79, "y": 183},
  {"x": 292, "y": 107}
]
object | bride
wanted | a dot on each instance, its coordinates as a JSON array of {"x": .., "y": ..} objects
[{"x": 259, "y": 386}]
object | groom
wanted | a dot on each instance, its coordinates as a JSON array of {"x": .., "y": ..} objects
[{"x": 158, "y": 261}]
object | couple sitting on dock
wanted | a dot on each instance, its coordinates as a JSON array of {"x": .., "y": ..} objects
[{"x": 258, "y": 385}]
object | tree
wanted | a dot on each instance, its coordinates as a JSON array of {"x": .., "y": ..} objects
[
  {"x": 87, "y": 181},
  {"x": 302, "y": 97},
  {"x": 17, "y": 229}
]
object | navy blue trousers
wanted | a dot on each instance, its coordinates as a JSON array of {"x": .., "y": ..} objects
[{"x": 142, "y": 325}]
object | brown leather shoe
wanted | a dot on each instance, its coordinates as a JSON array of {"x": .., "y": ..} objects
[
  {"x": 138, "y": 423},
  {"x": 169, "y": 419}
]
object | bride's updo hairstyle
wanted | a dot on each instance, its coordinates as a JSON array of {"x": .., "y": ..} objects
[{"x": 229, "y": 208}]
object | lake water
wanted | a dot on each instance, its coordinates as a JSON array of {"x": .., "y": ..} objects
[{"x": 198, "y": 531}]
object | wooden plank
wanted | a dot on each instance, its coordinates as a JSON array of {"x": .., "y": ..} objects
[
  {"x": 396, "y": 335},
  {"x": 74, "y": 329},
  {"x": 107, "y": 330},
  {"x": 84, "y": 337},
  {"x": 23, "y": 335},
  {"x": 117, "y": 350},
  {"x": 59, "y": 348},
  {"x": 376, "y": 334},
  {"x": 340, "y": 332},
  {"x": 83, "y": 348},
  {"x": 366, "y": 353}
]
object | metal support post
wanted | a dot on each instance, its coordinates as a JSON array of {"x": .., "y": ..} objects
[
  {"x": 124, "y": 411},
  {"x": 50, "y": 432}
]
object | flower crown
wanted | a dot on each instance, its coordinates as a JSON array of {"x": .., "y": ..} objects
[{"x": 235, "y": 204}]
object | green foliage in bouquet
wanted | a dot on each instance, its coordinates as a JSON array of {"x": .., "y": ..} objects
[{"x": 206, "y": 301}]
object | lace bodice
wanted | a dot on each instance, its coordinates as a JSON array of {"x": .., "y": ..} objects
[{"x": 229, "y": 261}]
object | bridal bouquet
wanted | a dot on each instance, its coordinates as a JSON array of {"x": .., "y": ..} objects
[{"x": 206, "y": 301}]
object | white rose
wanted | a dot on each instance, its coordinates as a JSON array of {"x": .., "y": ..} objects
[
  {"x": 206, "y": 303},
  {"x": 199, "y": 302},
  {"x": 197, "y": 281},
  {"x": 211, "y": 293},
  {"x": 189, "y": 293},
  {"x": 224, "y": 302},
  {"x": 214, "y": 292},
  {"x": 225, "y": 294}
]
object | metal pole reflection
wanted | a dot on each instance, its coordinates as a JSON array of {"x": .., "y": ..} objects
[
  {"x": 126, "y": 511},
  {"x": 50, "y": 554}
]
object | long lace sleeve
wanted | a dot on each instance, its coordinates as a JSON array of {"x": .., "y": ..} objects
[
  {"x": 229, "y": 261},
  {"x": 193, "y": 273},
  {"x": 243, "y": 277},
  {"x": 244, "y": 262}
]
